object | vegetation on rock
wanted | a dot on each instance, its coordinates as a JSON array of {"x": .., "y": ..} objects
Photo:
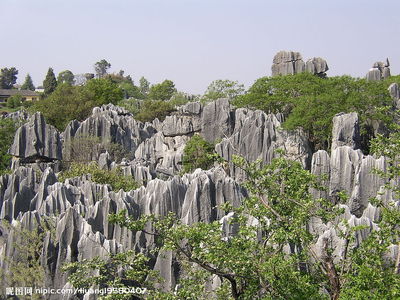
[
  {"x": 310, "y": 102},
  {"x": 115, "y": 178}
]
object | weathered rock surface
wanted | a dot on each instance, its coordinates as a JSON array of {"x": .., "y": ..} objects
[
  {"x": 346, "y": 131},
  {"x": 394, "y": 92},
  {"x": 287, "y": 62},
  {"x": 79, "y": 208},
  {"x": 110, "y": 124},
  {"x": 317, "y": 66},
  {"x": 257, "y": 135},
  {"x": 37, "y": 140},
  {"x": 380, "y": 70}
]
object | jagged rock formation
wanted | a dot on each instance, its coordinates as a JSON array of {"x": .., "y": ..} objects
[
  {"x": 317, "y": 66},
  {"x": 380, "y": 70},
  {"x": 37, "y": 140},
  {"x": 257, "y": 135},
  {"x": 394, "y": 92},
  {"x": 78, "y": 209},
  {"x": 346, "y": 131},
  {"x": 287, "y": 62}
]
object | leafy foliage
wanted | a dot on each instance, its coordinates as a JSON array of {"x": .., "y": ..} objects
[
  {"x": 7, "y": 131},
  {"x": 28, "y": 83},
  {"x": 115, "y": 177},
  {"x": 162, "y": 91},
  {"x": 25, "y": 267},
  {"x": 85, "y": 149},
  {"x": 8, "y": 77},
  {"x": 14, "y": 101},
  {"x": 118, "y": 270},
  {"x": 66, "y": 77},
  {"x": 310, "y": 102},
  {"x": 198, "y": 153},
  {"x": 223, "y": 89},
  {"x": 144, "y": 86},
  {"x": 68, "y": 102},
  {"x": 101, "y": 68},
  {"x": 151, "y": 109},
  {"x": 50, "y": 82}
]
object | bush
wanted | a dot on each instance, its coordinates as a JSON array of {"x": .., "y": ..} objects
[
  {"x": 14, "y": 101},
  {"x": 7, "y": 131},
  {"x": 151, "y": 109},
  {"x": 84, "y": 149},
  {"x": 162, "y": 91},
  {"x": 115, "y": 177},
  {"x": 198, "y": 153}
]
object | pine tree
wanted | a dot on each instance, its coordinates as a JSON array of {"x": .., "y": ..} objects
[
  {"x": 50, "y": 82},
  {"x": 28, "y": 84}
]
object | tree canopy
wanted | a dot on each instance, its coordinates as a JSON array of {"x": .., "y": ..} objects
[
  {"x": 28, "y": 83},
  {"x": 66, "y": 77},
  {"x": 101, "y": 68},
  {"x": 310, "y": 102},
  {"x": 162, "y": 91},
  {"x": 68, "y": 102},
  {"x": 223, "y": 89},
  {"x": 8, "y": 77},
  {"x": 50, "y": 82}
]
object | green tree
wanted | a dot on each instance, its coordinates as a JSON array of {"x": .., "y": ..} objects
[
  {"x": 162, "y": 91},
  {"x": 28, "y": 84},
  {"x": 101, "y": 68},
  {"x": 223, "y": 89},
  {"x": 310, "y": 102},
  {"x": 7, "y": 131},
  {"x": 14, "y": 101},
  {"x": 68, "y": 102},
  {"x": 102, "y": 91},
  {"x": 50, "y": 82},
  {"x": 198, "y": 153},
  {"x": 66, "y": 77},
  {"x": 151, "y": 109},
  {"x": 8, "y": 77},
  {"x": 144, "y": 86}
]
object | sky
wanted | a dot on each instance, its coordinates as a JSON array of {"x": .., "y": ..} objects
[{"x": 194, "y": 42}]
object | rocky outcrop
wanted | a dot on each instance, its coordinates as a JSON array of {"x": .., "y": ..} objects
[
  {"x": 317, "y": 66},
  {"x": 394, "y": 92},
  {"x": 217, "y": 120},
  {"x": 380, "y": 70},
  {"x": 257, "y": 135},
  {"x": 36, "y": 140},
  {"x": 77, "y": 210},
  {"x": 108, "y": 124},
  {"x": 346, "y": 131},
  {"x": 287, "y": 62}
]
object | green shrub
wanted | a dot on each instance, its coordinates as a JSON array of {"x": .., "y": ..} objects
[
  {"x": 7, "y": 131},
  {"x": 151, "y": 109},
  {"x": 115, "y": 177},
  {"x": 198, "y": 153},
  {"x": 14, "y": 101}
]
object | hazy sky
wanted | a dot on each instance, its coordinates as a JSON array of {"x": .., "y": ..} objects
[{"x": 194, "y": 42}]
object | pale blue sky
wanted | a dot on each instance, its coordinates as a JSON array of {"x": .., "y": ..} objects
[{"x": 193, "y": 42}]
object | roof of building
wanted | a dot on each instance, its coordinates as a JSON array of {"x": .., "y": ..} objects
[{"x": 12, "y": 92}]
